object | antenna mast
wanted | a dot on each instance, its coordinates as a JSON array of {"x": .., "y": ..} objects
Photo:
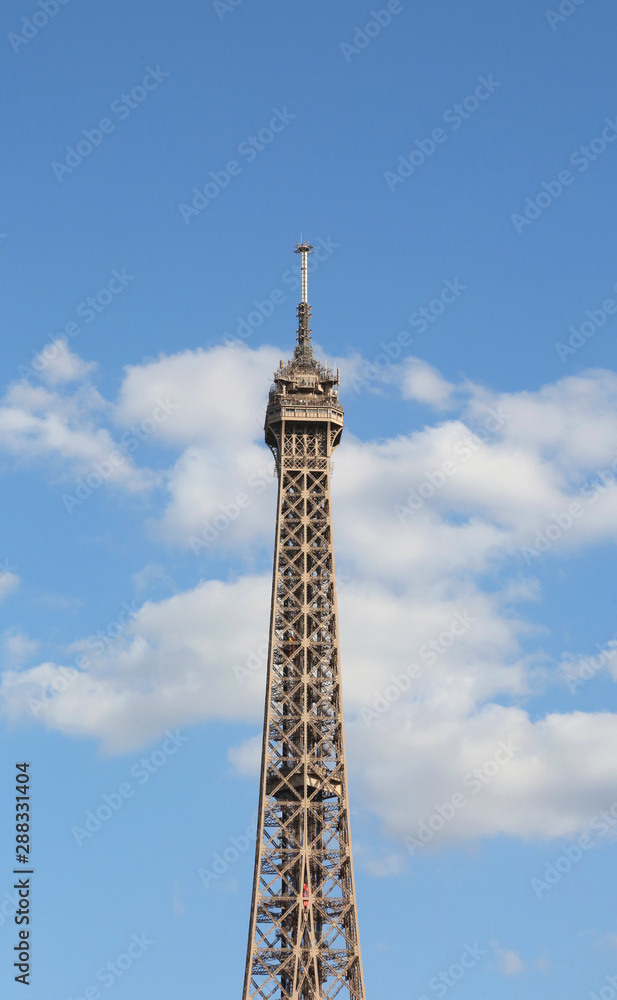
[{"x": 304, "y": 350}]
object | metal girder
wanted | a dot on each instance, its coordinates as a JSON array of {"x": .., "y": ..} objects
[{"x": 303, "y": 935}]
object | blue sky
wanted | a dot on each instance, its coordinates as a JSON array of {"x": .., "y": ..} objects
[{"x": 476, "y": 477}]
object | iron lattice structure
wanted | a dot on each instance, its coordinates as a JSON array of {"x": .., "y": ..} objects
[{"x": 303, "y": 936}]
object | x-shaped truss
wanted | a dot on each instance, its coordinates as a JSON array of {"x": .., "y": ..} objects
[{"x": 303, "y": 938}]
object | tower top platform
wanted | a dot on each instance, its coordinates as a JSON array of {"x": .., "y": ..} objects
[{"x": 303, "y": 388}]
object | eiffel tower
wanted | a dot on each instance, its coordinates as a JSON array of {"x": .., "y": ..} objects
[{"x": 303, "y": 935}]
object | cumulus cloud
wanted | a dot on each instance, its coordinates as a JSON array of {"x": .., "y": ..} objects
[
  {"x": 222, "y": 393},
  {"x": 201, "y": 655},
  {"x": 65, "y": 429},
  {"x": 59, "y": 364},
  {"x": 509, "y": 963},
  {"x": 217, "y": 483},
  {"x": 571, "y": 422},
  {"x": 17, "y": 647},
  {"x": 437, "y": 674},
  {"x": 437, "y": 777},
  {"x": 514, "y": 467},
  {"x": 219, "y": 500},
  {"x": 423, "y": 383},
  {"x": 578, "y": 670},
  {"x": 173, "y": 665}
]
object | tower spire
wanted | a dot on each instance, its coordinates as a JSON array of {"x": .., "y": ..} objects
[{"x": 304, "y": 349}]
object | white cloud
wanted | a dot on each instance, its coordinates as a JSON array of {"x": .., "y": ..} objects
[
  {"x": 175, "y": 666},
  {"x": 578, "y": 670},
  {"x": 424, "y": 384},
  {"x": 37, "y": 424},
  {"x": 60, "y": 602},
  {"x": 515, "y": 462},
  {"x": 9, "y": 580},
  {"x": 221, "y": 394},
  {"x": 518, "y": 459},
  {"x": 572, "y": 422},
  {"x": 381, "y": 863},
  {"x": 172, "y": 666},
  {"x": 17, "y": 647},
  {"x": 246, "y": 758},
  {"x": 559, "y": 777},
  {"x": 509, "y": 963},
  {"x": 217, "y": 486},
  {"x": 226, "y": 501},
  {"x": 59, "y": 364},
  {"x": 497, "y": 481},
  {"x": 151, "y": 577}
]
